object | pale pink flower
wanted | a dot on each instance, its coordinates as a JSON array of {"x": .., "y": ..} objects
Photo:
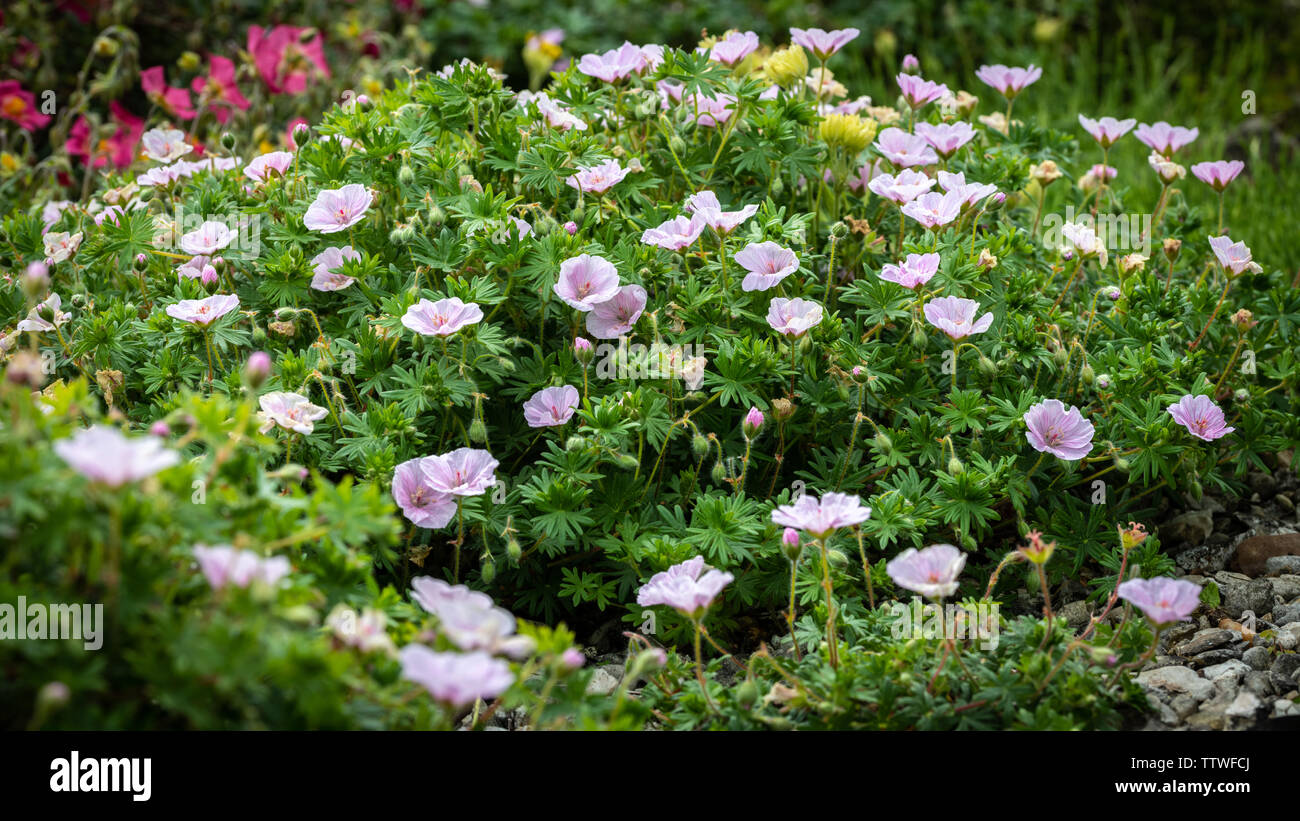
[
  {"x": 1202, "y": 418},
  {"x": 1164, "y": 138},
  {"x": 918, "y": 91},
  {"x": 616, "y": 64},
  {"x": 866, "y": 174},
  {"x": 585, "y": 281},
  {"x": 901, "y": 188},
  {"x": 551, "y": 406},
  {"x": 733, "y": 48},
  {"x": 556, "y": 114},
  {"x": 705, "y": 205},
  {"x": 1107, "y": 130},
  {"x": 597, "y": 179},
  {"x": 1233, "y": 256},
  {"x": 162, "y": 175},
  {"x": 337, "y": 209},
  {"x": 60, "y": 245},
  {"x": 767, "y": 264},
  {"x": 261, "y": 167},
  {"x": 470, "y": 619},
  {"x": 291, "y": 411},
  {"x": 689, "y": 588},
  {"x": 327, "y": 263},
  {"x": 420, "y": 503},
  {"x": 674, "y": 234},
  {"x": 969, "y": 192},
  {"x": 710, "y": 112},
  {"x": 822, "y": 43},
  {"x": 462, "y": 472},
  {"x": 522, "y": 228},
  {"x": 198, "y": 267},
  {"x": 932, "y": 572},
  {"x": 1162, "y": 600},
  {"x": 1218, "y": 174},
  {"x": 51, "y": 305},
  {"x": 1084, "y": 239},
  {"x": 1064, "y": 433},
  {"x": 793, "y": 317},
  {"x": 956, "y": 316},
  {"x": 165, "y": 144},
  {"x": 442, "y": 318},
  {"x": 905, "y": 150},
  {"x": 821, "y": 518},
  {"x": 52, "y": 212},
  {"x": 203, "y": 311},
  {"x": 209, "y": 238},
  {"x": 934, "y": 210},
  {"x": 1008, "y": 80},
  {"x": 223, "y": 565},
  {"x": 103, "y": 454},
  {"x": 946, "y": 138},
  {"x": 617, "y": 315},
  {"x": 455, "y": 679},
  {"x": 913, "y": 272}
]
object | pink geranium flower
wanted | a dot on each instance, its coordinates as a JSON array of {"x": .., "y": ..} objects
[
  {"x": 337, "y": 209},
  {"x": 1233, "y": 256},
  {"x": 197, "y": 267},
  {"x": 165, "y": 144},
  {"x": 456, "y": 680},
  {"x": 19, "y": 105},
  {"x": 551, "y": 406},
  {"x": 60, "y": 245},
  {"x": 934, "y": 210},
  {"x": 203, "y": 312},
  {"x": 710, "y": 112},
  {"x": 1064, "y": 433},
  {"x": 616, "y": 64},
  {"x": 207, "y": 239},
  {"x": 1218, "y": 174},
  {"x": 674, "y": 234},
  {"x": 793, "y": 317},
  {"x": 917, "y": 91},
  {"x": 326, "y": 265},
  {"x": 822, "y": 43},
  {"x": 119, "y": 147},
  {"x": 689, "y": 588},
  {"x": 946, "y": 138},
  {"x": 291, "y": 411},
  {"x": 866, "y": 174},
  {"x": 51, "y": 305},
  {"x": 824, "y": 517},
  {"x": 223, "y": 565},
  {"x": 905, "y": 150},
  {"x": 767, "y": 264},
  {"x": 1162, "y": 600},
  {"x": 469, "y": 618},
  {"x": 1202, "y": 418},
  {"x": 705, "y": 205},
  {"x": 901, "y": 188},
  {"x": 462, "y": 472},
  {"x": 284, "y": 62},
  {"x": 733, "y": 48},
  {"x": 956, "y": 316},
  {"x": 102, "y": 454},
  {"x": 585, "y": 281},
  {"x": 1008, "y": 80},
  {"x": 262, "y": 166},
  {"x": 219, "y": 90},
  {"x": 175, "y": 101},
  {"x": 932, "y": 572},
  {"x": 442, "y": 318},
  {"x": 913, "y": 272},
  {"x": 968, "y": 192},
  {"x": 419, "y": 502},
  {"x": 597, "y": 179},
  {"x": 617, "y": 315},
  {"x": 1164, "y": 138},
  {"x": 1107, "y": 131}
]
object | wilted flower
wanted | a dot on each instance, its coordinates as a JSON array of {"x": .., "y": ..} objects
[
  {"x": 442, "y": 318},
  {"x": 327, "y": 263},
  {"x": 822, "y": 517},
  {"x": 1008, "y": 81},
  {"x": 767, "y": 264},
  {"x": 103, "y": 454},
  {"x": 462, "y": 472},
  {"x": 1166, "y": 169},
  {"x": 956, "y": 316},
  {"x": 1051, "y": 428},
  {"x": 1163, "y": 600},
  {"x": 917, "y": 91},
  {"x": 291, "y": 411},
  {"x": 689, "y": 588},
  {"x": 597, "y": 179},
  {"x": 1233, "y": 256},
  {"x": 617, "y": 315},
  {"x": 912, "y": 272},
  {"x": 1037, "y": 550},
  {"x": 551, "y": 406},
  {"x": 337, "y": 209},
  {"x": 1107, "y": 131},
  {"x": 1218, "y": 174},
  {"x": 793, "y": 317},
  {"x": 1164, "y": 138},
  {"x": 905, "y": 150},
  {"x": 60, "y": 245},
  {"x": 932, "y": 572},
  {"x": 203, "y": 312},
  {"x": 1132, "y": 262},
  {"x": 1045, "y": 173},
  {"x": 455, "y": 679},
  {"x": 1202, "y": 418}
]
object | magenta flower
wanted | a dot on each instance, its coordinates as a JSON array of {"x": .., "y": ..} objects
[
  {"x": 822, "y": 43},
  {"x": 1202, "y": 418},
  {"x": 261, "y": 167},
  {"x": 469, "y": 618},
  {"x": 586, "y": 281},
  {"x": 284, "y": 60},
  {"x": 689, "y": 588},
  {"x": 210, "y": 237},
  {"x": 102, "y": 454},
  {"x": 1107, "y": 131},
  {"x": 337, "y": 209},
  {"x": 1164, "y": 138},
  {"x": 946, "y": 138},
  {"x": 223, "y": 565},
  {"x": 733, "y": 48},
  {"x": 420, "y": 503},
  {"x": 1163, "y": 600},
  {"x": 956, "y": 316},
  {"x": 551, "y": 406},
  {"x": 1051, "y": 428},
  {"x": 905, "y": 150},
  {"x": 291, "y": 411},
  {"x": 203, "y": 311},
  {"x": 793, "y": 317},
  {"x": 1008, "y": 80},
  {"x": 327, "y": 263},
  {"x": 1233, "y": 256},
  {"x": 1218, "y": 174},
  {"x": 218, "y": 90},
  {"x": 705, "y": 205},
  {"x": 462, "y": 472},
  {"x": 932, "y": 572},
  {"x": 913, "y": 272},
  {"x": 823, "y": 517},
  {"x": 456, "y": 680},
  {"x": 901, "y": 188},
  {"x": 175, "y": 101},
  {"x": 767, "y": 264},
  {"x": 19, "y": 105},
  {"x": 597, "y": 179},
  {"x": 616, "y": 316},
  {"x": 752, "y": 423},
  {"x": 674, "y": 234},
  {"x": 934, "y": 210},
  {"x": 442, "y": 318},
  {"x": 918, "y": 92}
]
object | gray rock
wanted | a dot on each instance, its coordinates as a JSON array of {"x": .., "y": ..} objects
[
  {"x": 1179, "y": 633},
  {"x": 1288, "y": 637},
  {"x": 1183, "y": 704},
  {"x": 1177, "y": 680},
  {"x": 1232, "y": 669},
  {"x": 1281, "y": 684},
  {"x": 603, "y": 682},
  {"x": 1285, "y": 707},
  {"x": 1276, "y": 565},
  {"x": 1241, "y": 594},
  {"x": 1192, "y": 527},
  {"x": 1286, "y": 613},
  {"x": 1257, "y": 658},
  {"x": 1286, "y": 587},
  {"x": 1285, "y": 502},
  {"x": 1165, "y": 713},
  {"x": 1286, "y": 665},
  {"x": 1245, "y": 705},
  {"x": 1258, "y": 683},
  {"x": 1262, "y": 483},
  {"x": 1203, "y": 640},
  {"x": 1212, "y": 657},
  {"x": 1076, "y": 614}
]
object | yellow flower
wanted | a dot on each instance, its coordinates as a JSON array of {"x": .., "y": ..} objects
[
  {"x": 847, "y": 131},
  {"x": 787, "y": 67},
  {"x": 9, "y": 163}
]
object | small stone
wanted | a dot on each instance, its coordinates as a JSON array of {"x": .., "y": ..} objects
[
  {"x": 1262, "y": 483},
  {"x": 1285, "y": 707},
  {"x": 1277, "y": 565},
  {"x": 1287, "y": 638},
  {"x": 1184, "y": 705},
  {"x": 1254, "y": 595},
  {"x": 1258, "y": 683},
  {"x": 1205, "y": 640},
  {"x": 1286, "y": 587},
  {"x": 1076, "y": 614},
  {"x": 1257, "y": 658},
  {"x": 1286, "y": 613},
  {"x": 1212, "y": 657},
  {"x": 603, "y": 682},
  {"x": 1166, "y": 713},
  {"x": 1192, "y": 527},
  {"x": 1177, "y": 680},
  {"x": 1245, "y": 705},
  {"x": 1285, "y": 502},
  {"x": 1281, "y": 684},
  {"x": 1231, "y": 669},
  {"x": 1286, "y": 665}
]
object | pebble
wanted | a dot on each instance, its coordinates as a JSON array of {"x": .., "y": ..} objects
[
  {"x": 1257, "y": 658},
  {"x": 1276, "y": 565},
  {"x": 1205, "y": 640},
  {"x": 1245, "y": 705},
  {"x": 603, "y": 682},
  {"x": 1177, "y": 680},
  {"x": 1231, "y": 670}
]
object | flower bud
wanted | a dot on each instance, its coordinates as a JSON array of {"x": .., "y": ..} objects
[
  {"x": 782, "y": 409},
  {"x": 1087, "y": 374},
  {"x": 228, "y": 141},
  {"x": 513, "y": 550},
  {"x": 753, "y": 423},
  {"x": 910, "y": 64},
  {"x": 884, "y": 443},
  {"x": 987, "y": 367},
  {"x": 571, "y": 227},
  {"x": 583, "y": 351},
  {"x": 1045, "y": 173},
  {"x": 626, "y": 461},
  {"x": 747, "y": 693},
  {"x": 1171, "y": 247},
  {"x": 575, "y": 443},
  {"x": 478, "y": 432},
  {"x": 487, "y": 568},
  {"x": 572, "y": 659},
  {"x": 699, "y": 446},
  {"x": 258, "y": 369},
  {"x": 790, "y": 545},
  {"x": 406, "y": 175},
  {"x": 1104, "y": 381},
  {"x": 1240, "y": 395},
  {"x": 719, "y": 473},
  {"x": 955, "y": 467}
]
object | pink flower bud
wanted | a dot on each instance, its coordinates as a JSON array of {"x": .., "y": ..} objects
[
  {"x": 910, "y": 64},
  {"x": 790, "y": 537},
  {"x": 160, "y": 428},
  {"x": 258, "y": 368},
  {"x": 571, "y": 227},
  {"x": 572, "y": 658},
  {"x": 582, "y": 351},
  {"x": 752, "y": 424}
]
